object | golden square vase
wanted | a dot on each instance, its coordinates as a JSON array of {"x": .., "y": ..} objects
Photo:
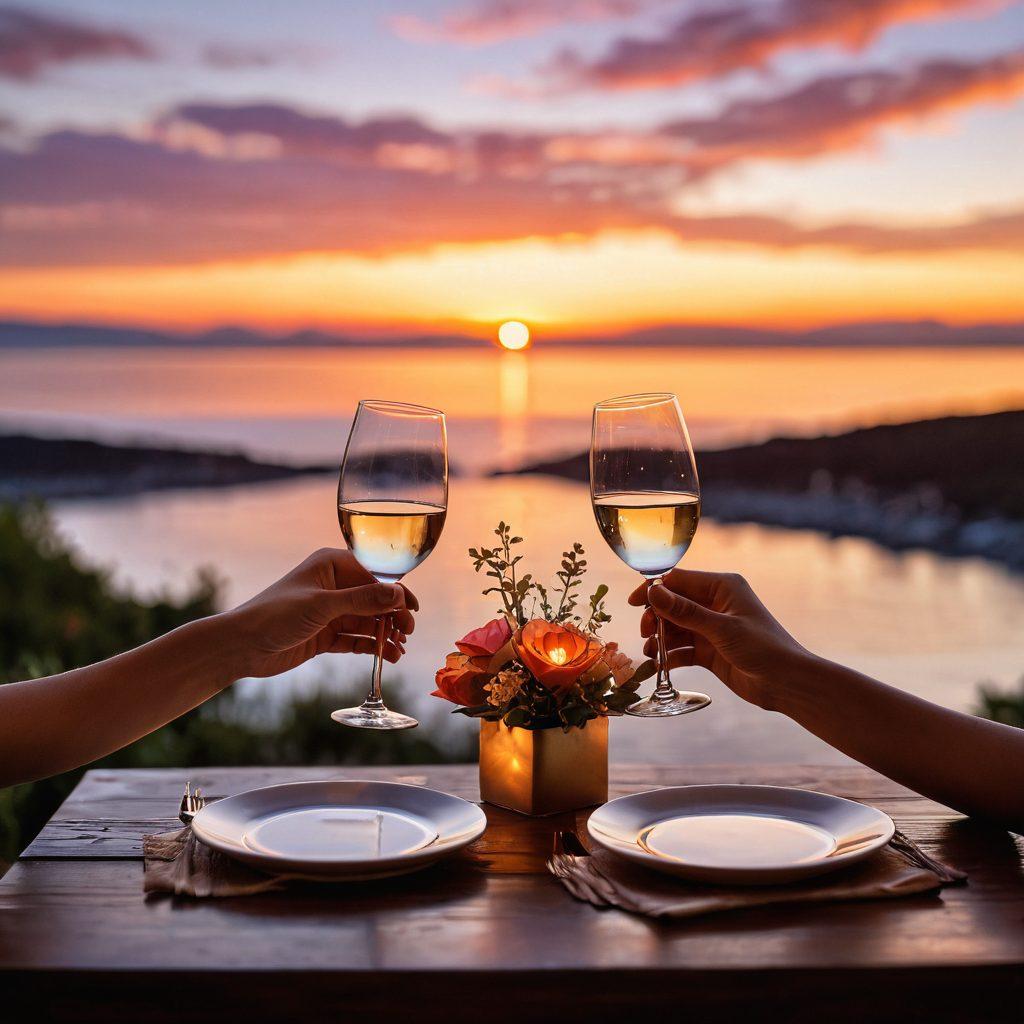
[{"x": 544, "y": 771}]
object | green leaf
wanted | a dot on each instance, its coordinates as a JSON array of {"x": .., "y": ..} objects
[
  {"x": 645, "y": 670},
  {"x": 480, "y": 711},
  {"x": 517, "y": 717},
  {"x": 621, "y": 699}
]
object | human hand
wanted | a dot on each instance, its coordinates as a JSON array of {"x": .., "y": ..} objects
[
  {"x": 329, "y": 603},
  {"x": 715, "y": 620}
]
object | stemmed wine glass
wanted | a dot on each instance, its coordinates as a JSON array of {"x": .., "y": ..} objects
[
  {"x": 392, "y": 501},
  {"x": 646, "y": 498}
]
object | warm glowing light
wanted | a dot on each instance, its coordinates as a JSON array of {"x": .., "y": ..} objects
[
  {"x": 558, "y": 656},
  {"x": 514, "y": 335},
  {"x": 572, "y": 287}
]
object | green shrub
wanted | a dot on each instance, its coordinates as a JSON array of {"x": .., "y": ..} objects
[{"x": 1001, "y": 705}]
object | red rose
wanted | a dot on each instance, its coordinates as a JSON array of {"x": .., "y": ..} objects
[
  {"x": 487, "y": 640},
  {"x": 461, "y": 681}
]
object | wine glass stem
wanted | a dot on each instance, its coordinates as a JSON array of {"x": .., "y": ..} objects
[
  {"x": 383, "y": 630},
  {"x": 663, "y": 690}
]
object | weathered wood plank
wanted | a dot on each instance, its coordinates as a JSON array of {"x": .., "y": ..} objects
[
  {"x": 490, "y": 932},
  {"x": 91, "y": 914}
]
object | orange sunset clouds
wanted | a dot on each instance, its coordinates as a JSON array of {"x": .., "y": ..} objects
[{"x": 175, "y": 204}]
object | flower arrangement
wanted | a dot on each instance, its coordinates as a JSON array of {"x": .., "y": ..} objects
[{"x": 544, "y": 667}]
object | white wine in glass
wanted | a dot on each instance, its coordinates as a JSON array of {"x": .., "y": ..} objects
[
  {"x": 392, "y": 536},
  {"x": 649, "y": 532},
  {"x": 646, "y": 498},
  {"x": 392, "y": 501}
]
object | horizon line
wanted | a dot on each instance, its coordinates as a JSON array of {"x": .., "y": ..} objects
[{"x": 841, "y": 334}]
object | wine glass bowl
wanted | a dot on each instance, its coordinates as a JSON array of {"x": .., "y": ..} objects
[
  {"x": 390, "y": 538},
  {"x": 392, "y": 502},
  {"x": 646, "y": 499}
]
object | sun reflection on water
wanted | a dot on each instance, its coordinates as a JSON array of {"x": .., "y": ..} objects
[{"x": 513, "y": 405}]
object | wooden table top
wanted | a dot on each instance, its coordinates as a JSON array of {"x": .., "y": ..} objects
[{"x": 489, "y": 934}]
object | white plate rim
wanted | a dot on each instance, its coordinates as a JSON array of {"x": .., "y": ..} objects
[
  {"x": 633, "y": 851},
  {"x": 340, "y": 870}
]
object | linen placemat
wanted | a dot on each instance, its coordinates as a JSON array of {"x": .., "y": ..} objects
[
  {"x": 177, "y": 864},
  {"x": 900, "y": 869}
]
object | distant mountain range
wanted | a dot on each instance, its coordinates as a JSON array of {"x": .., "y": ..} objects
[
  {"x": 64, "y": 467},
  {"x": 919, "y": 333}
]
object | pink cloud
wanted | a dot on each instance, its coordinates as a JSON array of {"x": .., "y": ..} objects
[
  {"x": 228, "y": 57},
  {"x": 840, "y": 112},
  {"x": 80, "y": 199},
  {"x": 717, "y": 40},
  {"x": 494, "y": 21},
  {"x": 212, "y": 181},
  {"x": 299, "y": 134},
  {"x": 832, "y": 113},
  {"x": 30, "y": 42}
]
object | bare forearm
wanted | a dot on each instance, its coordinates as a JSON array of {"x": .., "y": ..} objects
[
  {"x": 60, "y": 722},
  {"x": 970, "y": 764}
]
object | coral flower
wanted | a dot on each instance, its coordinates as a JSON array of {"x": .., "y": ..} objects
[
  {"x": 620, "y": 665},
  {"x": 557, "y": 655},
  {"x": 487, "y": 640},
  {"x": 461, "y": 681}
]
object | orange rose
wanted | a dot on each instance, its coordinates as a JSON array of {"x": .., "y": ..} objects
[
  {"x": 461, "y": 681},
  {"x": 556, "y": 655}
]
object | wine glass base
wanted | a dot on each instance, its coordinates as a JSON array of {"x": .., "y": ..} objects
[
  {"x": 678, "y": 702},
  {"x": 373, "y": 718}
]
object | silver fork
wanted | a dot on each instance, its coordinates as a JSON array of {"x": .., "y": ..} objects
[{"x": 192, "y": 802}]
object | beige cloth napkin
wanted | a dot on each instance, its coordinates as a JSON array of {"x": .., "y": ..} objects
[
  {"x": 601, "y": 878},
  {"x": 177, "y": 864}
]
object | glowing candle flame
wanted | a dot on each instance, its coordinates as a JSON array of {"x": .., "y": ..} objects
[{"x": 558, "y": 656}]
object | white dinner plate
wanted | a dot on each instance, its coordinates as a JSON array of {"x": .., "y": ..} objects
[
  {"x": 339, "y": 830},
  {"x": 740, "y": 835}
]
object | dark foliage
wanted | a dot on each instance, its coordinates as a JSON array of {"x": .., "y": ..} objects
[{"x": 1006, "y": 706}]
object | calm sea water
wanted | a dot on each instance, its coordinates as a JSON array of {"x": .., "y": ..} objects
[
  {"x": 502, "y": 407},
  {"x": 933, "y": 625}
]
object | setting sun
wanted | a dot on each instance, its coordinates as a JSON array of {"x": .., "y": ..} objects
[{"x": 514, "y": 335}]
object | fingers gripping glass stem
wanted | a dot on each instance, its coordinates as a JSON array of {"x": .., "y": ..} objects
[
  {"x": 383, "y": 631},
  {"x": 663, "y": 688}
]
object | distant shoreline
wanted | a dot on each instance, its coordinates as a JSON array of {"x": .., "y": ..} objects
[
  {"x": 21, "y": 335},
  {"x": 48, "y": 469},
  {"x": 952, "y": 485}
]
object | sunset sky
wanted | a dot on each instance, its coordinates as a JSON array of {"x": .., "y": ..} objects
[{"x": 584, "y": 165}]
